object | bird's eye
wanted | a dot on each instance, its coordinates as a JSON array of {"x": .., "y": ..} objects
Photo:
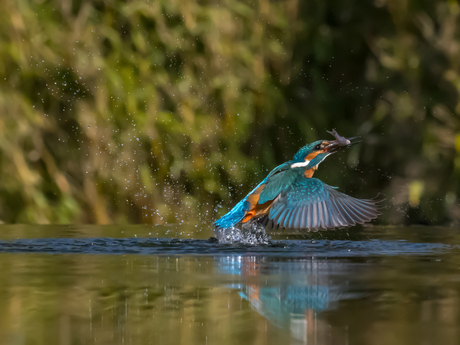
[{"x": 318, "y": 147}]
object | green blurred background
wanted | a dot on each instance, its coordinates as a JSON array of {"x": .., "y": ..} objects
[{"x": 169, "y": 111}]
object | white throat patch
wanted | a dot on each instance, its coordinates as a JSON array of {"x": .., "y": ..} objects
[
  {"x": 304, "y": 164},
  {"x": 300, "y": 165}
]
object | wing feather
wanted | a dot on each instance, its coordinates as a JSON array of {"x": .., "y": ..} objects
[
  {"x": 287, "y": 218},
  {"x": 314, "y": 213},
  {"x": 294, "y": 217},
  {"x": 355, "y": 218},
  {"x": 281, "y": 217},
  {"x": 308, "y": 203},
  {"x": 322, "y": 221},
  {"x": 331, "y": 214},
  {"x": 361, "y": 213},
  {"x": 340, "y": 218}
]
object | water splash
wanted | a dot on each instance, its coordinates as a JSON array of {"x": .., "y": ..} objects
[{"x": 252, "y": 234}]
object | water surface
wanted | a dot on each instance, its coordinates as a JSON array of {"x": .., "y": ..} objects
[{"x": 171, "y": 285}]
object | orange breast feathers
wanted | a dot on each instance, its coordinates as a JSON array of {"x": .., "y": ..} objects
[
  {"x": 256, "y": 209},
  {"x": 309, "y": 172}
]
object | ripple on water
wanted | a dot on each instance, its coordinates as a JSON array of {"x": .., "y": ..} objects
[{"x": 169, "y": 246}]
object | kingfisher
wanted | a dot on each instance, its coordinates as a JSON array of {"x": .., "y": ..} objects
[{"x": 290, "y": 197}]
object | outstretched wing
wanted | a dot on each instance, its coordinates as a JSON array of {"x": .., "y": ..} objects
[{"x": 312, "y": 204}]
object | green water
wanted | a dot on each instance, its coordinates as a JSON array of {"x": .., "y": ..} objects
[{"x": 166, "y": 285}]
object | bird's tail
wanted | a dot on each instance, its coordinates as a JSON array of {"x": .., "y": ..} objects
[{"x": 233, "y": 217}]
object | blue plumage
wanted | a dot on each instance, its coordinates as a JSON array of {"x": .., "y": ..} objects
[
  {"x": 312, "y": 204},
  {"x": 277, "y": 181},
  {"x": 237, "y": 213},
  {"x": 233, "y": 217},
  {"x": 290, "y": 198}
]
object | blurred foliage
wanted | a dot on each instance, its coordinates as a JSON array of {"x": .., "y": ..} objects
[{"x": 170, "y": 111}]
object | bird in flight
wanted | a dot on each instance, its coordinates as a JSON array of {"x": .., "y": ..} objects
[{"x": 290, "y": 197}]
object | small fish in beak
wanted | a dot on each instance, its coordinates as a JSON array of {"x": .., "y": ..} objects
[{"x": 341, "y": 141}]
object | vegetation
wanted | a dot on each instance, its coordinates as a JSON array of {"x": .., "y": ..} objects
[{"x": 170, "y": 111}]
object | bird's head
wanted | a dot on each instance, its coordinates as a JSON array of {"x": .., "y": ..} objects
[{"x": 311, "y": 155}]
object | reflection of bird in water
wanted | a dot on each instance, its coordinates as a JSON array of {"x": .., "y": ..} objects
[
  {"x": 297, "y": 291},
  {"x": 289, "y": 197},
  {"x": 282, "y": 303}
]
